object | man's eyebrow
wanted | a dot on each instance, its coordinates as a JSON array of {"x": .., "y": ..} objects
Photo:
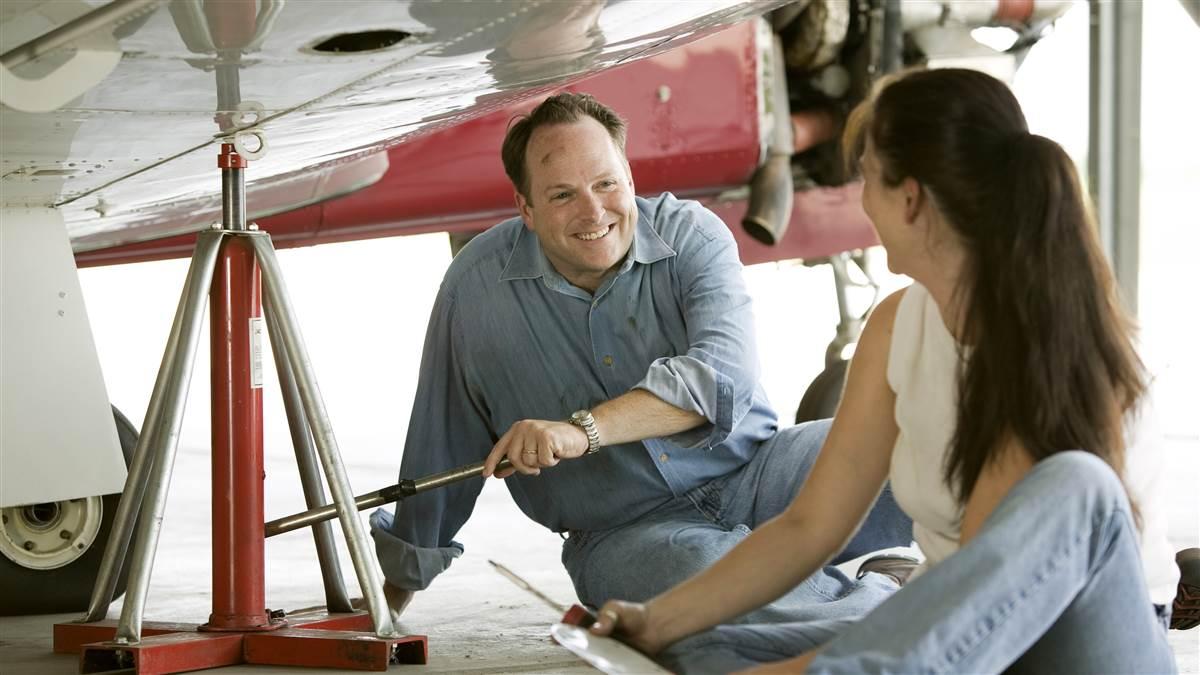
[{"x": 568, "y": 186}]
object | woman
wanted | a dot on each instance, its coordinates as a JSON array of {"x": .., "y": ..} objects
[{"x": 1001, "y": 395}]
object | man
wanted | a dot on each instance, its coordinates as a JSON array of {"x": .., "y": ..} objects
[{"x": 604, "y": 344}]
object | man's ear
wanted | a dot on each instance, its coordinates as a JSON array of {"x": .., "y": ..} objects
[
  {"x": 524, "y": 207},
  {"x": 914, "y": 199}
]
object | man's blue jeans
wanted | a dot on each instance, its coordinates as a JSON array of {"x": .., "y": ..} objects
[
  {"x": 1052, "y": 583},
  {"x": 639, "y": 560}
]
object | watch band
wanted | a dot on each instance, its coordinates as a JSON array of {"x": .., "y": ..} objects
[{"x": 584, "y": 420}]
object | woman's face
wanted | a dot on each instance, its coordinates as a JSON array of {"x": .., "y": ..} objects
[{"x": 885, "y": 206}]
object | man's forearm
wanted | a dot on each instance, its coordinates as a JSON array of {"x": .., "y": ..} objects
[
  {"x": 638, "y": 415},
  {"x": 532, "y": 445}
]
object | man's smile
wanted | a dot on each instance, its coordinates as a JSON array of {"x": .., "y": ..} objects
[{"x": 594, "y": 234}]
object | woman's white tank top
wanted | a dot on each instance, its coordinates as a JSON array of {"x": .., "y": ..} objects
[{"x": 922, "y": 371}]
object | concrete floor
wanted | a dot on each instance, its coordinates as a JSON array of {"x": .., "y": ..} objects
[{"x": 476, "y": 620}]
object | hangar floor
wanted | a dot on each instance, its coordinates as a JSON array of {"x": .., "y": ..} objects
[{"x": 476, "y": 620}]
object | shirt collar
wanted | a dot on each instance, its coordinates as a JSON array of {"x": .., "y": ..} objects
[{"x": 527, "y": 260}]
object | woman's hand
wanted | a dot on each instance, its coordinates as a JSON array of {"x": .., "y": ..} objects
[{"x": 629, "y": 621}]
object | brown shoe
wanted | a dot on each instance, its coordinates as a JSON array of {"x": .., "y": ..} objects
[
  {"x": 1185, "y": 613},
  {"x": 898, "y": 567}
]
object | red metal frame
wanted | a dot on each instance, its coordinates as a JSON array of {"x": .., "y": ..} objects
[
  {"x": 240, "y": 629},
  {"x": 315, "y": 639}
]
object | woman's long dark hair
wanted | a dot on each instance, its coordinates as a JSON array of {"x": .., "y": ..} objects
[{"x": 1051, "y": 361}]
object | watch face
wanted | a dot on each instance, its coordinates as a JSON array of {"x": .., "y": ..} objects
[{"x": 579, "y": 416}]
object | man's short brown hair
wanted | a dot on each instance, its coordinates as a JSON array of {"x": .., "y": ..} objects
[{"x": 562, "y": 108}]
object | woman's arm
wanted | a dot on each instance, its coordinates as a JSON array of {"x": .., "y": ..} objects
[
  {"x": 844, "y": 483},
  {"x": 995, "y": 480}
]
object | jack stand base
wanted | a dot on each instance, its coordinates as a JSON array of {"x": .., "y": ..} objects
[{"x": 313, "y": 638}]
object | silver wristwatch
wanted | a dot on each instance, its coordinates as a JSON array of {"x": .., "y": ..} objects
[{"x": 584, "y": 420}]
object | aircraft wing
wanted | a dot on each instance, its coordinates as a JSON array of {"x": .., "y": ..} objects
[{"x": 119, "y": 129}]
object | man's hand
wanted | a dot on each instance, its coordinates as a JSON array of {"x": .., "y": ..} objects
[{"x": 532, "y": 445}]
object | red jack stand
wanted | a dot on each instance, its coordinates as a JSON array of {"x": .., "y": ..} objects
[{"x": 227, "y": 265}]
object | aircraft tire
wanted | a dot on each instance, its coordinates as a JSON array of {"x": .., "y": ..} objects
[
  {"x": 821, "y": 399},
  {"x": 68, "y": 588}
]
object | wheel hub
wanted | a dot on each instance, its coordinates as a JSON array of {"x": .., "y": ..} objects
[{"x": 51, "y": 534}]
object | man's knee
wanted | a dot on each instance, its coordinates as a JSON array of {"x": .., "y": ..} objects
[
  {"x": 810, "y": 433},
  {"x": 797, "y": 447}
]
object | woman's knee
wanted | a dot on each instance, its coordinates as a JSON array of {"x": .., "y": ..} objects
[
  {"x": 638, "y": 562},
  {"x": 1081, "y": 474}
]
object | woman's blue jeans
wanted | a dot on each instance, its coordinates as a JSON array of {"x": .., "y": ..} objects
[
  {"x": 1051, "y": 584},
  {"x": 639, "y": 560}
]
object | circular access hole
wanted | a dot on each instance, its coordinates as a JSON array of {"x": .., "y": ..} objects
[
  {"x": 41, "y": 516},
  {"x": 365, "y": 41}
]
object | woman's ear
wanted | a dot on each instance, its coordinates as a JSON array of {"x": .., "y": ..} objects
[{"x": 914, "y": 199}]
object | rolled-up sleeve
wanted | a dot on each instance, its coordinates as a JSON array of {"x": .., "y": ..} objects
[
  {"x": 447, "y": 429},
  {"x": 718, "y": 374}
]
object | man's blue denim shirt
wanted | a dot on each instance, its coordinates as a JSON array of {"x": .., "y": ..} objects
[{"x": 510, "y": 339}]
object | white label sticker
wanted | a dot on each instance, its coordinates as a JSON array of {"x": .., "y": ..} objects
[{"x": 256, "y": 333}]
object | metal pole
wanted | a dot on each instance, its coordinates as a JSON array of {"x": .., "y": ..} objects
[
  {"x": 166, "y": 436},
  {"x": 1114, "y": 142},
  {"x": 320, "y": 514},
  {"x": 336, "y": 599},
  {"x": 403, "y": 489},
  {"x": 343, "y": 497},
  {"x": 233, "y": 188},
  {"x": 238, "y": 584},
  {"x": 139, "y": 471},
  {"x": 113, "y": 13},
  {"x": 143, "y": 460}
]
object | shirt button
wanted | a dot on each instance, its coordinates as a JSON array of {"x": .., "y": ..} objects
[
  {"x": 608, "y": 360},
  {"x": 663, "y": 457}
]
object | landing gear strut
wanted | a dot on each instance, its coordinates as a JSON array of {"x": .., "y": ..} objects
[{"x": 823, "y": 395}]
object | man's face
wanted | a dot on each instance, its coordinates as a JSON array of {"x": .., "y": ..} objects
[{"x": 580, "y": 202}]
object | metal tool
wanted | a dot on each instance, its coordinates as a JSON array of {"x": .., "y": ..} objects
[
  {"x": 575, "y": 615},
  {"x": 402, "y": 490},
  {"x": 607, "y": 654},
  {"x": 525, "y": 585}
]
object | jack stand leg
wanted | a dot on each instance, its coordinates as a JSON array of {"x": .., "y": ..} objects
[
  {"x": 165, "y": 436},
  {"x": 310, "y": 476},
  {"x": 280, "y": 310},
  {"x": 199, "y": 273}
]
